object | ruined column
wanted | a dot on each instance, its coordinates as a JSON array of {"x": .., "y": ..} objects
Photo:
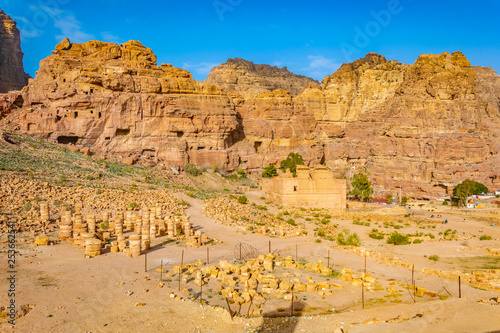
[
  {"x": 93, "y": 247},
  {"x": 138, "y": 224},
  {"x": 135, "y": 245},
  {"x": 152, "y": 222},
  {"x": 129, "y": 222},
  {"x": 118, "y": 226},
  {"x": 66, "y": 226},
  {"x": 122, "y": 242},
  {"x": 91, "y": 224},
  {"x": 44, "y": 212},
  {"x": 146, "y": 232}
]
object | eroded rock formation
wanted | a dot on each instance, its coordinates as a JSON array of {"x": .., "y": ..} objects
[
  {"x": 250, "y": 79},
  {"x": 424, "y": 127},
  {"x": 115, "y": 99},
  {"x": 12, "y": 76}
]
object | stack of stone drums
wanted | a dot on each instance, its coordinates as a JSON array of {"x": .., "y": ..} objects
[
  {"x": 146, "y": 232},
  {"x": 135, "y": 245},
  {"x": 92, "y": 246},
  {"x": 79, "y": 228},
  {"x": 91, "y": 224},
  {"x": 44, "y": 212},
  {"x": 66, "y": 226}
]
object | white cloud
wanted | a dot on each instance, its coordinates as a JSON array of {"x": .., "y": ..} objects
[
  {"x": 66, "y": 22},
  {"x": 319, "y": 67},
  {"x": 27, "y": 28},
  {"x": 109, "y": 37},
  {"x": 203, "y": 68}
]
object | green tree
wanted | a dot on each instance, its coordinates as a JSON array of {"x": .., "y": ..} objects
[
  {"x": 389, "y": 199},
  {"x": 270, "y": 171},
  {"x": 404, "y": 201},
  {"x": 361, "y": 186},
  {"x": 467, "y": 188},
  {"x": 291, "y": 163}
]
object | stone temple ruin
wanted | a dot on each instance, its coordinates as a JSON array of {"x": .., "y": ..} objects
[{"x": 311, "y": 188}]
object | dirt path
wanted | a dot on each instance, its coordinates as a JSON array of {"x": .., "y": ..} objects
[{"x": 73, "y": 294}]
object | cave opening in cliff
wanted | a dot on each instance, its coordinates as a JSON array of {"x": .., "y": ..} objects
[
  {"x": 76, "y": 114},
  {"x": 180, "y": 134},
  {"x": 257, "y": 145},
  {"x": 19, "y": 101},
  {"x": 58, "y": 118},
  {"x": 99, "y": 115},
  {"x": 63, "y": 139},
  {"x": 122, "y": 131}
]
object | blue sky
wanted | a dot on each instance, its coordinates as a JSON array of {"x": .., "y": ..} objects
[{"x": 312, "y": 38}]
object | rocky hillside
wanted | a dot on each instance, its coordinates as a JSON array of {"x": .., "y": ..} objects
[
  {"x": 250, "y": 79},
  {"x": 12, "y": 76},
  {"x": 424, "y": 127}
]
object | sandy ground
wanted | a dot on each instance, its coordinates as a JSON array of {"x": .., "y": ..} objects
[{"x": 69, "y": 293}]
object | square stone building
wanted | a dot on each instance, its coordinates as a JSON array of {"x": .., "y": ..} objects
[{"x": 312, "y": 188}]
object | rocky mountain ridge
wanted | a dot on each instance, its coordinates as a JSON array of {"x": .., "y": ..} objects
[
  {"x": 422, "y": 127},
  {"x": 12, "y": 76},
  {"x": 249, "y": 79}
]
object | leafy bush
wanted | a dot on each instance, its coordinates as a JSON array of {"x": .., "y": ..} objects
[
  {"x": 445, "y": 203},
  {"x": 434, "y": 257},
  {"x": 321, "y": 233},
  {"x": 192, "y": 170},
  {"x": 397, "y": 239},
  {"x": 345, "y": 238},
  {"x": 270, "y": 171},
  {"x": 133, "y": 205},
  {"x": 485, "y": 237},
  {"x": 325, "y": 221},
  {"x": 417, "y": 241},
  {"x": 242, "y": 199},
  {"x": 291, "y": 222},
  {"x": 375, "y": 234},
  {"x": 318, "y": 240},
  {"x": 184, "y": 203}
]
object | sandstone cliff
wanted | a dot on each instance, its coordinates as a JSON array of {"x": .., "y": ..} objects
[
  {"x": 115, "y": 99},
  {"x": 423, "y": 127},
  {"x": 12, "y": 76},
  {"x": 250, "y": 79}
]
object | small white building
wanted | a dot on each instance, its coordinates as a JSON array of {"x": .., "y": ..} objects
[{"x": 497, "y": 192}]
